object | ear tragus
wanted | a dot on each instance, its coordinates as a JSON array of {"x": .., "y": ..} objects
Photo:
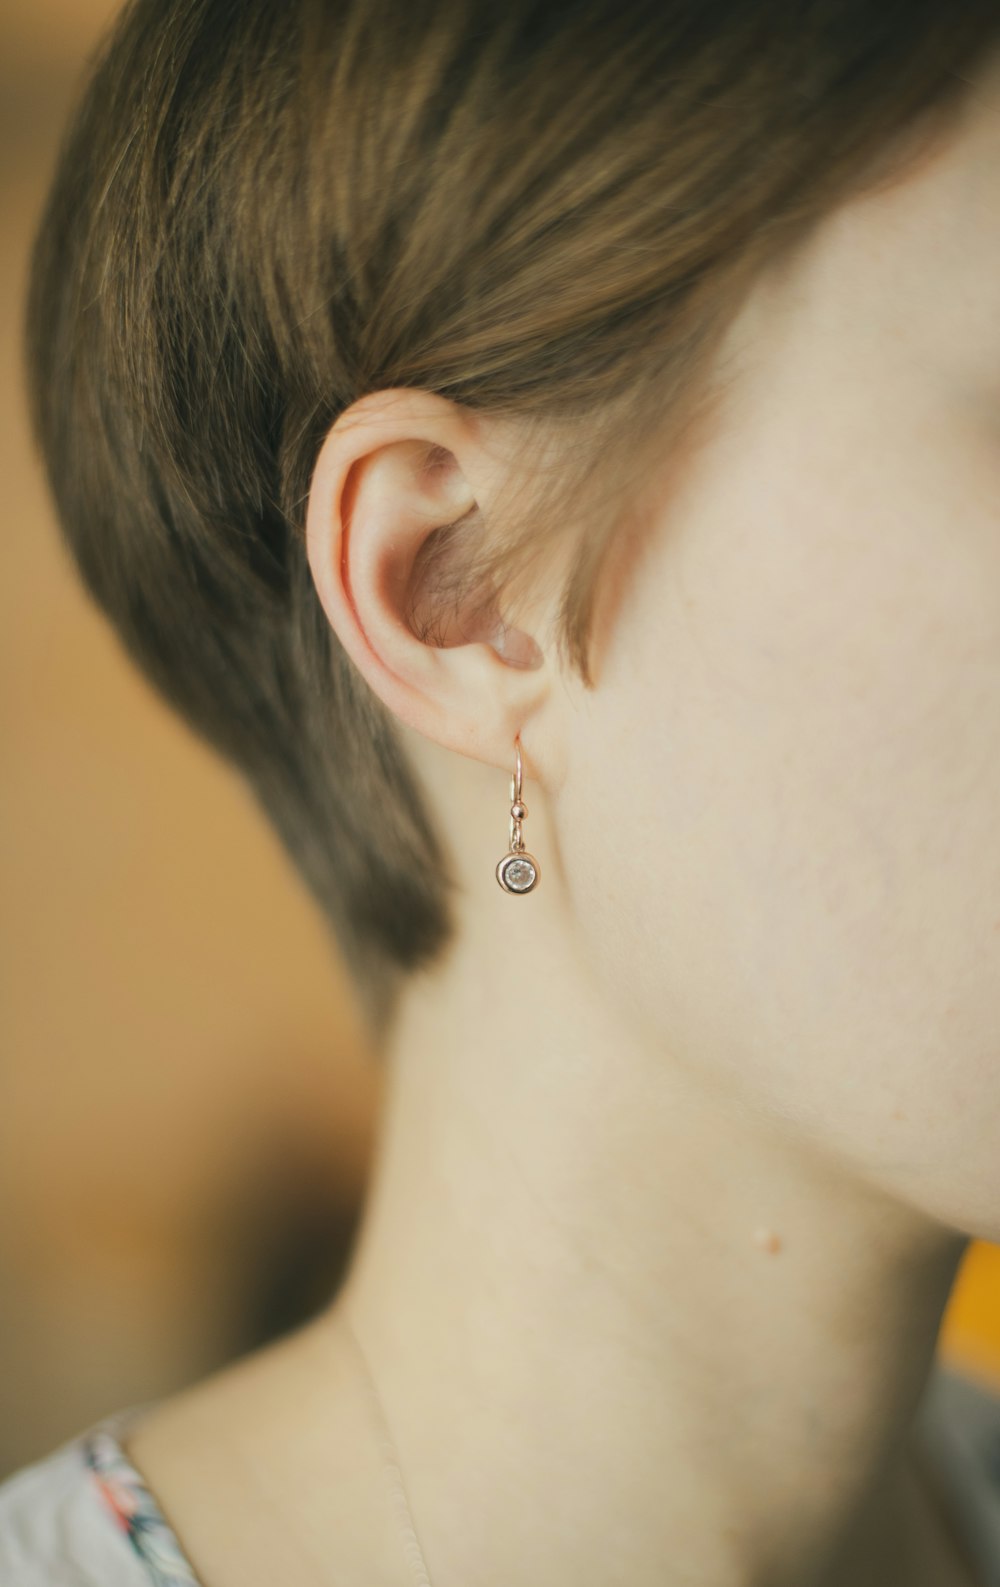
[{"x": 447, "y": 605}]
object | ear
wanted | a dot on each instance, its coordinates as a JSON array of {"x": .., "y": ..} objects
[{"x": 395, "y": 469}]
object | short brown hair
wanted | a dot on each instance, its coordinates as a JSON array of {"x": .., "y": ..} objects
[{"x": 265, "y": 209}]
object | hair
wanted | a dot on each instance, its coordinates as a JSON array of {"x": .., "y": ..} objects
[{"x": 545, "y": 211}]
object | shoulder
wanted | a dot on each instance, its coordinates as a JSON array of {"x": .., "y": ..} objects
[{"x": 66, "y": 1521}]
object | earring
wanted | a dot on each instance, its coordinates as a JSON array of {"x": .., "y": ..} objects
[{"x": 518, "y": 871}]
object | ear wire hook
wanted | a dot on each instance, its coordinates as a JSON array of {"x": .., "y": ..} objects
[
  {"x": 516, "y": 840},
  {"x": 518, "y": 871}
]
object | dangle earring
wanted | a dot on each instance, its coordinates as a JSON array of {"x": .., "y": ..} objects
[{"x": 518, "y": 871}]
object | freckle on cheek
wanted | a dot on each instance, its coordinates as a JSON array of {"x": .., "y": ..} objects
[
  {"x": 767, "y": 1240},
  {"x": 898, "y": 1113}
]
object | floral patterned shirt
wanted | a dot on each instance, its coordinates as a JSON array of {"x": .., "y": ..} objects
[
  {"x": 85, "y": 1517},
  {"x": 134, "y": 1510}
]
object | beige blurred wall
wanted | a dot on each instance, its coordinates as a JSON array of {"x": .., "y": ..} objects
[
  {"x": 186, "y": 1104},
  {"x": 54, "y": 32}
]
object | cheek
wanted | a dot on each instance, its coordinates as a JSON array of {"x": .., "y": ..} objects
[{"x": 793, "y": 762}]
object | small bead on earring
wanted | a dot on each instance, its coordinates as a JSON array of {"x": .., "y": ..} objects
[{"x": 518, "y": 871}]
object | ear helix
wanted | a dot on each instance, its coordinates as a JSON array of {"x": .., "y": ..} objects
[{"x": 518, "y": 871}]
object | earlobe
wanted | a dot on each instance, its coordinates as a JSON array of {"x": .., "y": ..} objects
[{"x": 399, "y": 479}]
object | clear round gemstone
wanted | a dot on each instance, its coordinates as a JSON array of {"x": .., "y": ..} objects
[{"x": 519, "y": 875}]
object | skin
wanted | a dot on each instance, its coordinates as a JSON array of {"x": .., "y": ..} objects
[{"x": 682, "y": 1151}]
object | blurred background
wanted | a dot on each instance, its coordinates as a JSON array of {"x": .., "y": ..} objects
[{"x": 187, "y": 1106}]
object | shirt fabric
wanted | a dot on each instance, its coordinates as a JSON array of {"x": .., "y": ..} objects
[{"x": 84, "y": 1517}]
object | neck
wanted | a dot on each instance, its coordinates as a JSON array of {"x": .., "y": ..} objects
[{"x": 623, "y": 1328}]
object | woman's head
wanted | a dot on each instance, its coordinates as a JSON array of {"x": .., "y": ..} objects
[{"x": 493, "y": 287}]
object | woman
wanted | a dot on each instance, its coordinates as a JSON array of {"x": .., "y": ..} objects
[{"x": 609, "y": 391}]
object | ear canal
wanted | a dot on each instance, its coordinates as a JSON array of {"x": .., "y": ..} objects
[
  {"x": 516, "y": 647},
  {"x": 444, "y": 607}
]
